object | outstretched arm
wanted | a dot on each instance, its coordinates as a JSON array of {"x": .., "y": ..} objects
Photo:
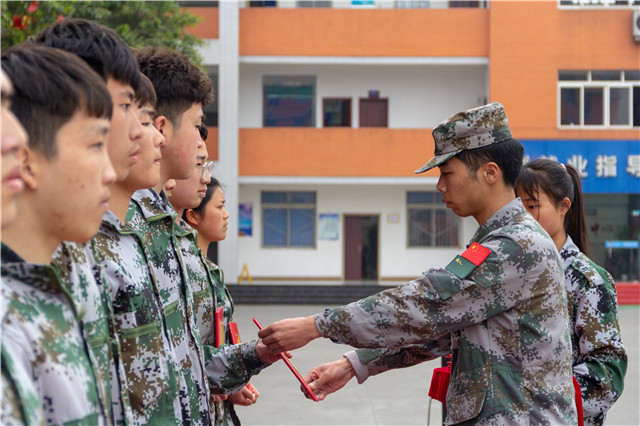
[
  {"x": 328, "y": 378},
  {"x": 289, "y": 334}
]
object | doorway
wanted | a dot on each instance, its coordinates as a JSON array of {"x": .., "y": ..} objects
[{"x": 361, "y": 247}]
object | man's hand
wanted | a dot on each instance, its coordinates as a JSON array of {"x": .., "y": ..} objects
[
  {"x": 265, "y": 354},
  {"x": 244, "y": 397},
  {"x": 328, "y": 378},
  {"x": 289, "y": 334}
]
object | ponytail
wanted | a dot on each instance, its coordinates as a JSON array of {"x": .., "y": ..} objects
[{"x": 558, "y": 181}]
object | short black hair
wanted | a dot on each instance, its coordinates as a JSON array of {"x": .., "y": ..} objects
[
  {"x": 50, "y": 86},
  {"x": 146, "y": 95},
  {"x": 179, "y": 83},
  {"x": 99, "y": 46},
  {"x": 507, "y": 155}
]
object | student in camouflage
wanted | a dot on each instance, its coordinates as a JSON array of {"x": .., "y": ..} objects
[
  {"x": 500, "y": 305},
  {"x": 552, "y": 193},
  {"x": 182, "y": 90},
  {"x": 146, "y": 354},
  {"x": 108, "y": 55},
  {"x": 13, "y": 141},
  {"x": 226, "y": 368},
  {"x": 210, "y": 220},
  {"x": 66, "y": 173}
]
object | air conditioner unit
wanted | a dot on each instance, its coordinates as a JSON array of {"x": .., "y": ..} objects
[{"x": 636, "y": 25}]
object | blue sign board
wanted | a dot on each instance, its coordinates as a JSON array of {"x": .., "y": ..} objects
[
  {"x": 622, "y": 244},
  {"x": 606, "y": 166}
]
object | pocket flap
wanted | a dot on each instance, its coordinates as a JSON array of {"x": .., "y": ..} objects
[{"x": 464, "y": 407}]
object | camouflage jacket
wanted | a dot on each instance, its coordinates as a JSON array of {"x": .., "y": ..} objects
[
  {"x": 228, "y": 367},
  {"x": 152, "y": 215},
  {"x": 81, "y": 277},
  {"x": 507, "y": 320},
  {"x": 599, "y": 358},
  {"x": 14, "y": 408},
  {"x": 225, "y": 412},
  {"x": 43, "y": 349},
  {"x": 148, "y": 358}
]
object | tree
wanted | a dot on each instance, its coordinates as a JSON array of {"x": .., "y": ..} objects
[{"x": 139, "y": 23}]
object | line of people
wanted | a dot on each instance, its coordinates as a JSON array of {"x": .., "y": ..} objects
[
  {"x": 108, "y": 301},
  {"x": 108, "y": 298}
]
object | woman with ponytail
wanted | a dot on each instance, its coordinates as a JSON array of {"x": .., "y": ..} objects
[{"x": 552, "y": 193}]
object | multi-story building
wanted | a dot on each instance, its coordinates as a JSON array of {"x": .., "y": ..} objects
[{"x": 324, "y": 110}]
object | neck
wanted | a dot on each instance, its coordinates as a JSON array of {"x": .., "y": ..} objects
[
  {"x": 179, "y": 214},
  {"x": 204, "y": 245},
  {"x": 120, "y": 199},
  {"x": 495, "y": 201},
  {"x": 30, "y": 234},
  {"x": 559, "y": 239}
]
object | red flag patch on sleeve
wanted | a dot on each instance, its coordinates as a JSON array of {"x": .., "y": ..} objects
[{"x": 476, "y": 253}]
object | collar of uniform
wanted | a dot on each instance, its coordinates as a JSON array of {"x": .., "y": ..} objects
[
  {"x": 500, "y": 218},
  {"x": 151, "y": 205},
  {"x": 568, "y": 253},
  {"x": 37, "y": 275},
  {"x": 183, "y": 229}
]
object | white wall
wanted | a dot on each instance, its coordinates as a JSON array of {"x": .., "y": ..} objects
[
  {"x": 327, "y": 259},
  {"x": 420, "y": 96}
]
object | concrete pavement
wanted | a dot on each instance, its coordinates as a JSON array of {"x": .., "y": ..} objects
[{"x": 397, "y": 397}]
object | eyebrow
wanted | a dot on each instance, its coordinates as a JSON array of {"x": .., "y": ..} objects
[{"x": 128, "y": 93}]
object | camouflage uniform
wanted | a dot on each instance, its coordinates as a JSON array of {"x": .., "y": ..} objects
[
  {"x": 599, "y": 358},
  {"x": 507, "y": 322},
  {"x": 229, "y": 367},
  {"x": 152, "y": 215},
  {"x": 43, "y": 349},
  {"x": 226, "y": 413},
  {"x": 82, "y": 278},
  {"x": 147, "y": 356},
  {"x": 501, "y": 315}
]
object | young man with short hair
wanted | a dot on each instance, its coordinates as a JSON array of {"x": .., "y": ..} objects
[
  {"x": 14, "y": 139},
  {"x": 500, "y": 307},
  {"x": 183, "y": 90},
  {"x": 66, "y": 173},
  {"x": 108, "y": 55}
]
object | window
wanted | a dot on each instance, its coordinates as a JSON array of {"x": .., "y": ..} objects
[
  {"x": 336, "y": 112},
  {"x": 599, "y": 98},
  {"x": 599, "y": 3},
  {"x": 430, "y": 223},
  {"x": 288, "y": 101},
  {"x": 288, "y": 219},
  {"x": 211, "y": 110}
]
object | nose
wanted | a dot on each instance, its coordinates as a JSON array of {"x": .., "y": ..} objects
[
  {"x": 440, "y": 186},
  {"x": 13, "y": 134},
  {"x": 109, "y": 174}
]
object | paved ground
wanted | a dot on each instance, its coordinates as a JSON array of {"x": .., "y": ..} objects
[{"x": 397, "y": 397}]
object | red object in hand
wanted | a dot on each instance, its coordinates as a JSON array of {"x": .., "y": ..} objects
[
  {"x": 292, "y": 368},
  {"x": 576, "y": 387}
]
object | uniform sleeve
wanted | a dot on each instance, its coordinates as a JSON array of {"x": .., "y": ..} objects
[
  {"x": 430, "y": 307},
  {"x": 229, "y": 367},
  {"x": 369, "y": 362},
  {"x": 601, "y": 361}
]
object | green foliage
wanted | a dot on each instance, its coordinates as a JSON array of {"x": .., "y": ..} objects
[{"x": 139, "y": 23}]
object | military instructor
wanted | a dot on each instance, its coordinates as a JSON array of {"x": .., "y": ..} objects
[{"x": 499, "y": 307}]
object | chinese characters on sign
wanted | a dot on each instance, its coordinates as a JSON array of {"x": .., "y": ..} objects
[{"x": 604, "y": 166}]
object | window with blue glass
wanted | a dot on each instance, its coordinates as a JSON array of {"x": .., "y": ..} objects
[
  {"x": 289, "y": 101},
  {"x": 288, "y": 219},
  {"x": 430, "y": 223}
]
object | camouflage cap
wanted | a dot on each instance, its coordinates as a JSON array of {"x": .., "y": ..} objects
[{"x": 469, "y": 129}]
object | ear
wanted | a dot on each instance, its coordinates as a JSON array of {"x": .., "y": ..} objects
[
  {"x": 192, "y": 218},
  {"x": 161, "y": 124},
  {"x": 491, "y": 173},
  {"x": 31, "y": 167},
  {"x": 565, "y": 205}
]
